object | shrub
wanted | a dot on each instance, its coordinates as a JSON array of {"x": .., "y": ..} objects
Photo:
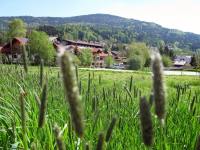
[
  {"x": 141, "y": 50},
  {"x": 109, "y": 61},
  {"x": 135, "y": 62},
  {"x": 76, "y": 60},
  {"x": 167, "y": 62},
  {"x": 86, "y": 57}
]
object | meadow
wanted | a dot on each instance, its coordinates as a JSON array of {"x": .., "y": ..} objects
[{"x": 104, "y": 94}]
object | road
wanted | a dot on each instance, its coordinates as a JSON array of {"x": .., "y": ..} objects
[{"x": 166, "y": 72}]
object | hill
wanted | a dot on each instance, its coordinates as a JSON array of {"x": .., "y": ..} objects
[{"x": 143, "y": 31}]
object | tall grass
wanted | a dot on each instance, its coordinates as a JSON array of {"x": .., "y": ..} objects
[{"x": 103, "y": 95}]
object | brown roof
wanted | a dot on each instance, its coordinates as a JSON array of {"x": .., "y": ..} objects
[
  {"x": 83, "y": 43},
  {"x": 95, "y": 50},
  {"x": 103, "y": 54},
  {"x": 23, "y": 41},
  {"x": 7, "y": 47}
]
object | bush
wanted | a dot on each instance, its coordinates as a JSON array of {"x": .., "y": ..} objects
[
  {"x": 141, "y": 50},
  {"x": 109, "y": 61},
  {"x": 3, "y": 59},
  {"x": 76, "y": 60},
  {"x": 135, "y": 62},
  {"x": 85, "y": 57},
  {"x": 147, "y": 62},
  {"x": 167, "y": 62}
]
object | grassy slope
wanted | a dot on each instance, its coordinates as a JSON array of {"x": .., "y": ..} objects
[{"x": 180, "y": 132}]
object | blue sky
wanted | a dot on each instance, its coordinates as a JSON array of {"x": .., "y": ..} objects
[{"x": 178, "y": 14}]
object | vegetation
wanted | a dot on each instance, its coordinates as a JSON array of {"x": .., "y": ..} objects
[
  {"x": 139, "y": 52},
  {"x": 104, "y": 95},
  {"x": 41, "y": 47},
  {"x": 16, "y": 28},
  {"x": 167, "y": 62},
  {"x": 194, "y": 61},
  {"x": 85, "y": 57},
  {"x": 112, "y": 28},
  {"x": 109, "y": 61},
  {"x": 135, "y": 62}
]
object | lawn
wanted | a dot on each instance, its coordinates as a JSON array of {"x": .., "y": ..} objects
[{"x": 105, "y": 94}]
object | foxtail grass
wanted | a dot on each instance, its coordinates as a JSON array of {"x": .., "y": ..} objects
[
  {"x": 41, "y": 72},
  {"x": 72, "y": 93},
  {"x": 110, "y": 129},
  {"x": 158, "y": 86},
  {"x": 43, "y": 106},
  {"x": 25, "y": 59},
  {"x": 198, "y": 143},
  {"x": 23, "y": 117},
  {"x": 146, "y": 122},
  {"x": 87, "y": 146},
  {"x": 37, "y": 99},
  {"x": 58, "y": 137},
  {"x": 100, "y": 142}
]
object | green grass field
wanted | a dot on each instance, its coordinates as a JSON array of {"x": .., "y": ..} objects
[{"x": 104, "y": 95}]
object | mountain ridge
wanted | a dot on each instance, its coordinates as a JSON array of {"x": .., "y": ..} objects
[{"x": 148, "y": 32}]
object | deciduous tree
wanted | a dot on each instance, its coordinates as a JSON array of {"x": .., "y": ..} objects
[{"x": 41, "y": 46}]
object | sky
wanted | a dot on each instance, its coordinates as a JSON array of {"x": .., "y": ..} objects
[{"x": 176, "y": 14}]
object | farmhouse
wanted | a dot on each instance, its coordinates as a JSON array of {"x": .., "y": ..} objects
[
  {"x": 13, "y": 49},
  {"x": 76, "y": 47},
  {"x": 82, "y": 44},
  {"x": 181, "y": 61}
]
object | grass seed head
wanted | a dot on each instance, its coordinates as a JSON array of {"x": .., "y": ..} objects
[
  {"x": 146, "y": 122},
  {"x": 101, "y": 142},
  {"x": 59, "y": 141},
  {"x": 41, "y": 71},
  {"x": 72, "y": 92},
  {"x": 110, "y": 129},
  {"x": 198, "y": 143},
  {"x": 22, "y": 109},
  {"x": 25, "y": 60},
  {"x": 158, "y": 85},
  {"x": 87, "y": 146},
  {"x": 43, "y": 106}
]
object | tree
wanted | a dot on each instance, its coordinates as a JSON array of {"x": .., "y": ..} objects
[
  {"x": 167, "y": 62},
  {"x": 50, "y": 30},
  {"x": 139, "y": 49},
  {"x": 109, "y": 61},
  {"x": 16, "y": 28},
  {"x": 194, "y": 61},
  {"x": 161, "y": 47},
  {"x": 86, "y": 57},
  {"x": 135, "y": 63},
  {"x": 41, "y": 47},
  {"x": 2, "y": 37}
]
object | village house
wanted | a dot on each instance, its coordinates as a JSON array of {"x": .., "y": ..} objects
[
  {"x": 96, "y": 48},
  {"x": 180, "y": 61},
  {"x": 76, "y": 47},
  {"x": 13, "y": 49}
]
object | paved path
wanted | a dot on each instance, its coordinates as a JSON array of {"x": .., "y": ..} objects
[{"x": 187, "y": 73}]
